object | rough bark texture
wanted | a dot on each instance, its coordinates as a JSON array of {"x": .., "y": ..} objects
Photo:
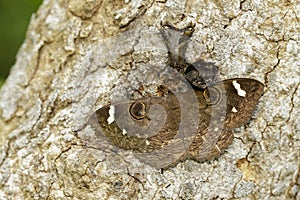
[{"x": 78, "y": 53}]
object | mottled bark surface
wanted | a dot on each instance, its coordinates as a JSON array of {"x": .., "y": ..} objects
[{"x": 78, "y": 54}]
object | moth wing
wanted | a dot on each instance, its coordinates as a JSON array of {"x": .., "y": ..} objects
[
  {"x": 210, "y": 145},
  {"x": 242, "y": 96},
  {"x": 155, "y": 130},
  {"x": 233, "y": 100}
]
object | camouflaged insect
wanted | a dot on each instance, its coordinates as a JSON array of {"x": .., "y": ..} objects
[{"x": 223, "y": 105}]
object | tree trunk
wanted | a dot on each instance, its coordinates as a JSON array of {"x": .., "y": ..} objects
[{"x": 80, "y": 55}]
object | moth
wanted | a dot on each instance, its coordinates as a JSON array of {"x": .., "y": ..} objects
[{"x": 149, "y": 127}]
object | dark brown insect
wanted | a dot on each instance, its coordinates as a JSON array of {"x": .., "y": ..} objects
[
  {"x": 161, "y": 131},
  {"x": 226, "y": 105}
]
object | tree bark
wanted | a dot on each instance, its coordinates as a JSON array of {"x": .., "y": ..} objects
[{"x": 79, "y": 54}]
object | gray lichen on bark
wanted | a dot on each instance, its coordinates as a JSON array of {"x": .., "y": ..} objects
[{"x": 78, "y": 52}]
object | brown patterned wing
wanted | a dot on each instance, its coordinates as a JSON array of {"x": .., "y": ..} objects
[{"x": 229, "y": 104}]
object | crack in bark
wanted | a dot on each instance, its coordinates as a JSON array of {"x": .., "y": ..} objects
[
  {"x": 135, "y": 178},
  {"x": 292, "y": 102},
  {"x": 2, "y": 185},
  {"x": 273, "y": 67},
  {"x": 37, "y": 63},
  {"x": 142, "y": 10}
]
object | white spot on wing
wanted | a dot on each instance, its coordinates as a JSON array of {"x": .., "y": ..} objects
[
  {"x": 111, "y": 113},
  {"x": 124, "y": 132},
  {"x": 237, "y": 86},
  {"x": 234, "y": 110},
  {"x": 147, "y": 142}
]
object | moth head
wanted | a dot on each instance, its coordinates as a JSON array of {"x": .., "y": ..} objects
[{"x": 202, "y": 74}]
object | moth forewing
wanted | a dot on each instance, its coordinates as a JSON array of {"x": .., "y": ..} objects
[{"x": 243, "y": 95}]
